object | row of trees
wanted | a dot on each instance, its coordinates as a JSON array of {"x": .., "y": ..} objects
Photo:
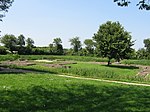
[
  {"x": 144, "y": 53},
  {"x": 18, "y": 44},
  {"x": 111, "y": 41}
]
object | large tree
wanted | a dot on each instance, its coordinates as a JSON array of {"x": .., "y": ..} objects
[
  {"x": 21, "y": 41},
  {"x": 58, "y": 46},
  {"x": 141, "y": 54},
  {"x": 89, "y": 45},
  {"x": 147, "y": 44},
  {"x": 143, "y": 4},
  {"x": 76, "y": 43},
  {"x": 9, "y": 41},
  {"x": 113, "y": 41},
  {"x": 29, "y": 43},
  {"x": 4, "y": 6}
]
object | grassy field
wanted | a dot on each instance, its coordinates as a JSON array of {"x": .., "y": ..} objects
[
  {"x": 137, "y": 62},
  {"x": 75, "y": 58},
  {"x": 44, "y": 91},
  {"x": 52, "y": 57},
  {"x": 84, "y": 69},
  {"x": 50, "y": 93}
]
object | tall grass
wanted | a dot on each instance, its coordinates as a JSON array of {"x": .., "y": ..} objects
[
  {"x": 137, "y": 62},
  {"x": 10, "y": 57},
  {"x": 75, "y": 58},
  {"x": 114, "y": 72},
  {"x": 103, "y": 72}
]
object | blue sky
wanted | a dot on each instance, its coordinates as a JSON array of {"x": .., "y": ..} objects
[{"x": 44, "y": 20}]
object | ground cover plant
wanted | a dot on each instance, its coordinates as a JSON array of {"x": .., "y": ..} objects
[{"x": 50, "y": 93}]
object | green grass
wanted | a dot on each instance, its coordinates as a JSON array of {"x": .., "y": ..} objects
[
  {"x": 9, "y": 57},
  {"x": 46, "y": 92},
  {"x": 51, "y": 57},
  {"x": 75, "y": 58},
  {"x": 101, "y": 71},
  {"x": 137, "y": 62},
  {"x": 50, "y": 93},
  {"x": 82, "y": 69}
]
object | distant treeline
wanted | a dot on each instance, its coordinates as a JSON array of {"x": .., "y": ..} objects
[
  {"x": 111, "y": 41},
  {"x": 24, "y": 46}
]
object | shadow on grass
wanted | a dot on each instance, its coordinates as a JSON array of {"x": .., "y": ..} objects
[
  {"x": 75, "y": 98},
  {"x": 7, "y": 70},
  {"x": 121, "y": 66}
]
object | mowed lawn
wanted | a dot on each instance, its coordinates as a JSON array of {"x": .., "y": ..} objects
[{"x": 51, "y": 93}]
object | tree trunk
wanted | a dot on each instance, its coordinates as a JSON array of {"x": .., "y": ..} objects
[{"x": 109, "y": 62}]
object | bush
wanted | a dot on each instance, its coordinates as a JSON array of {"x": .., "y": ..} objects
[{"x": 3, "y": 50}]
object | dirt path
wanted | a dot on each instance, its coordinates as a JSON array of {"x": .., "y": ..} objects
[
  {"x": 109, "y": 81},
  {"x": 144, "y": 71}
]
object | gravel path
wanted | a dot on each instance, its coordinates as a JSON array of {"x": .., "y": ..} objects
[{"x": 109, "y": 81}]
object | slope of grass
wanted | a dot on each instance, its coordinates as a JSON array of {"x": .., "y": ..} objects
[{"x": 49, "y": 93}]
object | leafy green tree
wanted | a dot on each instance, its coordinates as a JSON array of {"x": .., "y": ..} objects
[
  {"x": 21, "y": 41},
  {"x": 83, "y": 52},
  {"x": 30, "y": 43},
  {"x": 89, "y": 46},
  {"x": 113, "y": 41},
  {"x": 51, "y": 48},
  {"x": 21, "y": 45},
  {"x": 143, "y": 4},
  {"x": 147, "y": 44},
  {"x": 3, "y": 50},
  {"x": 141, "y": 54},
  {"x": 40, "y": 51},
  {"x": 4, "y": 6},
  {"x": 57, "y": 41},
  {"x": 9, "y": 41},
  {"x": 76, "y": 43},
  {"x": 58, "y": 46}
]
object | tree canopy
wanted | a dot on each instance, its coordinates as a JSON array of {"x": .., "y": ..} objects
[
  {"x": 147, "y": 45},
  {"x": 30, "y": 43},
  {"x": 58, "y": 48},
  {"x": 113, "y": 41},
  {"x": 142, "y": 4},
  {"x": 4, "y": 6},
  {"x": 9, "y": 41},
  {"x": 76, "y": 43},
  {"x": 21, "y": 40},
  {"x": 89, "y": 45}
]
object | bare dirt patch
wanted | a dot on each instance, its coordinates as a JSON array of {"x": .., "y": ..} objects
[
  {"x": 62, "y": 64},
  {"x": 11, "y": 70},
  {"x": 18, "y": 63},
  {"x": 144, "y": 71},
  {"x": 4, "y": 66}
]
